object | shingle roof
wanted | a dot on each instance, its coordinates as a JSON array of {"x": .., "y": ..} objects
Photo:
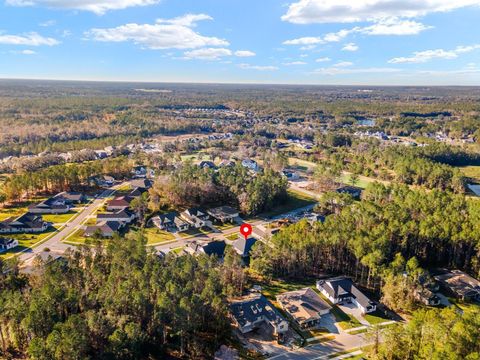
[
  {"x": 343, "y": 286},
  {"x": 250, "y": 309},
  {"x": 303, "y": 304},
  {"x": 244, "y": 246}
]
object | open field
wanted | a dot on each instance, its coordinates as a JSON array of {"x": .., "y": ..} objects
[{"x": 295, "y": 200}]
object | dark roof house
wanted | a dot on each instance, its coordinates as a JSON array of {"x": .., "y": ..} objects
[
  {"x": 26, "y": 223},
  {"x": 243, "y": 246},
  {"x": 104, "y": 228},
  {"x": 342, "y": 290},
  {"x": 223, "y": 213},
  {"x": 460, "y": 284},
  {"x": 170, "y": 222},
  {"x": 119, "y": 203},
  {"x": 216, "y": 248},
  {"x": 53, "y": 205}
]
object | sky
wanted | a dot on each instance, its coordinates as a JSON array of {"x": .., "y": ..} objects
[{"x": 324, "y": 42}]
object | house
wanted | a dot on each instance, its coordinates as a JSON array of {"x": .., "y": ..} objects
[
  {"x": 341, "y": 290},
  {"x": 123, "y": 216},
  {"x": 207, "y": 165},
  {"x": 53, "y": 205},
  {"x": 353, "y": 191},
  {"x": 243, "y": 246},
  {"x": 290, "y": 175},
  {"x": 196, "y": 217},
  {"x": 170, "y": 222},
  {"x": 460, "y": 284},
  {"x": 119, "y": 203},
  {"x": 426, "y": 296},
  {"x": 216, "y": 248},
  {"x": 7, "y": 244},
  {"x": 141, "y": 184},
  {"x": 104, "y": 228},
  {"x": 304, "y": 306},
  {"x": 100, "y": 154},
  {"x": 224, "y": 213},
  {"x": 255, "y": 310},
  {"x": 139, "y": 171},
  {"x": 250, "y": 164},
  {"x": 26, "y": 223},
  {"x": 71, "y": 197},
  {"x": 226, "y": 163}
]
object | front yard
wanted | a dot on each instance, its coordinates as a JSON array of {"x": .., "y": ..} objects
[
  {"x": 26, "y": 241},
  {"x": 60, "y": 218}
]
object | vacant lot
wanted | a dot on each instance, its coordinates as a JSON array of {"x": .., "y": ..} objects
[{"x": 295, "y": 200}]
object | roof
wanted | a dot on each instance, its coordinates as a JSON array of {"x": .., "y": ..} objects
[
  {"x": 141, "y": 183},
  {"x": 169, "y": 219},
  {"x": 223, "y": 212},
  {"x": 244, "y": 246},
  {"x": 50, "y": 203},
  {"x": 207, "y": 163},
  {"x": 426, "y": 294},
  {"x": 303, "y": 304},
  {"x": 104, "y": 227},
  {"x": 344, "y": 287},
  {"x": 216, "y": 248},
  {"x": 27, "y": 220},
  {"x": 121, "y": 214},
  {"x": 249, "y": 309},
  {"x": 460, "y": 282},
  {"x": 72, "y": 196},
  {"x": 6, "y": 241},
  {"x": 121, "y": 201},
  {"x": 197, "y": 212}
]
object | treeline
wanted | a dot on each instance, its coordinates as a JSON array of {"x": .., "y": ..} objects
[
  {"x": 63, "y": 177},
  {"x": 361, "y": 239},
  {"x": 115, "y": 302},
  {"x": 430, "y": 334},
  {"x": 189, "y": 185}
]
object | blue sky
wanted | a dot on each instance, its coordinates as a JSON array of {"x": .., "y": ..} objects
[{"x": 377, "y": 42}]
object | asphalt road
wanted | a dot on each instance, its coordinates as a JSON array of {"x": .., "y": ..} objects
[
  {"x": 327, "y": 349},
  {"x": 55, "y": 243}
]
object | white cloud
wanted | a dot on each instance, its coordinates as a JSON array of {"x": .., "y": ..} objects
[
  {"x": 310, "y": 41},
  {"x": 244, "y": 53},
  {"x": 208, "y": 53},
  {"x": 258, "y": 67},
  {"x": 394, "y": 26},
  {"x": 336, "y": 70},
  {"x": 343, "y": 64},
  {"x": 295, "y": 63},
  {"x": 99, "y": 7},
  {"x": 348, "y": 11},
  {"x": 23, "y": 52},
  {"x": 323, "y": 59},
  {"x": 420, "y": 57},
  {"x": 29, "y": 39},
  {"x": 48, "y": 23},
  {"x": 350, "y": 47},
  {"x": 174, "y": 33}
]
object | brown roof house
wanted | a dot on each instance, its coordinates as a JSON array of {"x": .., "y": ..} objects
[
  {"x": 119, "y": 203},
  {"x": 305, "y": 306},
  {"x": 460, "y": 284}
]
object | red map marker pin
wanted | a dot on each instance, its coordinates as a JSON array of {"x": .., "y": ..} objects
[{"x": 246, "y": 230}]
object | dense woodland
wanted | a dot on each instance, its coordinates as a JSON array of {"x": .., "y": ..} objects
[{"x": 118, "y": 302}]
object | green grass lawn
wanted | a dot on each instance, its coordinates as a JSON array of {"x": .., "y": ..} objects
[
  {"x": 26, "y": 241},
  {"x": 362, "y": 182},
  {"x": 376, "y": 318},
  {"x": 156, "y": 236},
  {"x": 276, "y": 287},
  {"x": 232, "y": 237},
  {"x": 471, "y": 172},
  {"x": 76, "y": 238},
  {"x": 345, "y": 321},
  {"x": 60, "y": 218},
  {"x": 224, "y": 226},
  {"x": 300, "y": 164},
  {"x": 295, "y": 200}
]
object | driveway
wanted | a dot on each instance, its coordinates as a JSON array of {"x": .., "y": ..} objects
[
  {"x": 351, "y": 309},
  {"x": 328, "y": 322}
]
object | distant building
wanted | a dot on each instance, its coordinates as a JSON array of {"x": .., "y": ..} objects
[
  {"x": 253, "y": 311},
  {"x": 104, "y": 228},
  {"x": 196, "y": 217},
  {"x": 226, "y": 163},
  {"x": 341, "y": 290},
  {"x": 426, "y": 296},
  {"x": 53, "y": 205},
  {"x": 305, "y": 306},
  {"x": 290, "y": 175},
  {"x": 119, "y": 203},
  {"x": 243, "y": 246},
  {"x": 216, "y": 248},
  {"x": 124, "y": 216},
  {"x": 141, "y": 183},
  {"x": 71, "y": 197},
  {"x": 250, "y": 164},
  {"x": 7, "y": 244},
  {"x": 224, "y": 213},
  {"x": 170, "y": 222},
  {"x": 207, "y": 164},
  {"x": 460, "y": 284},
  {"x": 26, "y": 223},
  {"x": 139, "y": 171},
  {"x": 353, "y": 191}
]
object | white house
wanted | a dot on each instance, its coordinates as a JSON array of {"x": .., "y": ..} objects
[
  {"x": 7, "y": 244},
  {"x": 341, "y": 290},
  {"x": 250, "y": 164}
]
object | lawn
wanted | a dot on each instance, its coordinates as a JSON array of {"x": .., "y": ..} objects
[
  {"x": 26, "y": 241},
  {"x": 345, "y": 321},
  {"x": 300, "y": 164},
  {"x": 276, "y": 287},
  {"x": 376, "y": 318},
  {"x": 19, "y": 208},
  {"x": 156, "y": 236},
  {"x": 295, "y": 200},
  {"x": 76, "y": 238},
  {"x": 232, "y": 237},
  {"x": 224, "y": 226},
  {"x": 60, "y": 218},
  {"x": 362, "y": 182},
  {"x": 472, "y": 172}
]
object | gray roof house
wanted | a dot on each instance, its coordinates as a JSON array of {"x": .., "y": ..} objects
[
  {"x": 124, "y": 216},
  {"x": 7, "y": 244},
  {"x": 26, "y": 223},
  {"x": 305, "y": 306},
  {"x": 243, "y": 246},
  {"x": 170, "y": 222},
  {"x": 224, "y": 213},
  {"x": 196, "y": 217},
  {"x": 342, "y": 290},
  {"x": 255, "y": 310},
  {"x": 71, "y": 197},
  {"x": 460, "y": 284},
  {"x": 53, "y": 205},
  {"x": 426, "y": 296},
  {"x": 216, "y": 248},
  {"x": 104, "y": 228}
]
